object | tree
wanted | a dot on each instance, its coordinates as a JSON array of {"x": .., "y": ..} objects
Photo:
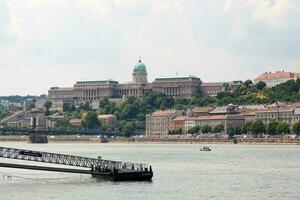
[
  {"x": 246, "y": 128},
  {"x": 261, "y": 85},
  {"x": 234, "y": 131},
  {"x": 129, "y": 111},
  {"x": 237, "y": 130},
  {"x": 296, "y": 128},
  {"x": 258, "y": 127},
  {"x": 128, "y": 129},
  {"x": 247, "y": 83},
  {"x": 206, "y": 129},
  {"x": 3, "y": 112},
  {"x": 47, "y": 106},
  {"x": 85, "y": 106},
  {"x": 226, "y": 87},
  {"x": 68, "y": 107},
  {"x": 91, "y": 121},
  {"x": 194, "y": 130},
  {"x": 283, "y": 128},
  {"x": 272, "y": 128},
  {"x": 231, "y": 133},
  {"x": 105, "y": 127},
  {"x": 62, "y": 123},
  {"x": 219, "y": 128},
  {"x": 104, "y": 101}
]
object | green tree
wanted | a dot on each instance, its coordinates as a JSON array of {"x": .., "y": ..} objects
[
  {"x": 47, "y": 106},
  {"x": 3, "y": 112},
  {"x": 247, "y": 83},
  {"x": 258, "y": 127},
  {"x": 219, "y": 128},
  {"x": 128, "y": 129},
  {"x": 104, "y": 101},
  {"x": 206, "y": 129},
  {"x": 272, "y": 128},
  {"x": 226, "y": 86},
  {"x": 105, "y": 127},
  {"x": 246, "y": 128},
  {"x": 194, "y": 130},
  {"x": 261, "y": 85},
  {"x": 85, "y": 106},
  {"x": 231, "y": 132},
  {"x": 68, "y": 107},
  {"x": 237, "y": 130},
  {"x": 91, "y": 121},
  {"x": 296, "y": 128},
  {"x": 62, "y": 123},
  {"x": 283, "y": 128},
  {"x": 129, "y": 111}
]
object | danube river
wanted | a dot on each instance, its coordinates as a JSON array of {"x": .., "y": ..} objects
[{"x": 181, "y": 171}]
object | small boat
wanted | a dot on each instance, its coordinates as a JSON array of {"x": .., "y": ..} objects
[{"x": 205, "y": 149}]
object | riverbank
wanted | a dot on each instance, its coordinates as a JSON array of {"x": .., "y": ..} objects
[{"x": 97, "y": 139}]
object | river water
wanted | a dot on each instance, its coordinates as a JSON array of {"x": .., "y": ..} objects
[{"x": 181, "y": 171}]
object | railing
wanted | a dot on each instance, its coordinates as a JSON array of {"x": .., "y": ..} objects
[{"x": 61, "y": 159}]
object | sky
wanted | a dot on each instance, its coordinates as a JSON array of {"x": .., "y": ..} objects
[{"x": 45, "y": 43}]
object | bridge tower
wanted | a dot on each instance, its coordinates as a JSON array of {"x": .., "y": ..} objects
[{"x": 37, "y": 122}]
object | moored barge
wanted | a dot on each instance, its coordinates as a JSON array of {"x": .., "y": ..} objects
[{"x": 98, "y": 168}]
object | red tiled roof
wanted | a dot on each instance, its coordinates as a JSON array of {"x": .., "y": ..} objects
[
  {"x": 75, "y": 121},
  {"x": 275, "y": 75},
  {"x": 202, "y": 109},
  {"x": 163, "y": 112},
  {"x": 183, "y": 118},
  {"x": 212, "y": 117},
  {"x": 105, "y": 116}
]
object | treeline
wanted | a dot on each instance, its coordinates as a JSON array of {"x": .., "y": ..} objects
[
  {"x": 255, "y": 128},
  {"x": 249, "y": 93},
  {"x": 20, "y": 99},
  {"x": 273, "y": 128},
  {"x": 3, "y": 112}
]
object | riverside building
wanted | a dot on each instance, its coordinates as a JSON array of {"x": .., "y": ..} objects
[
  {"x": 90, "y": 91},
  {"x": 274, "y": 78},
  {"x": 158, "y": 123}
]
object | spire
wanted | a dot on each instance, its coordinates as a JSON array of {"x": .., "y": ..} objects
[{"x": 140, "y": 60}]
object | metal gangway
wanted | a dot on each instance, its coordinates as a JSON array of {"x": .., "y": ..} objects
[
  {"x": 98, "y": 167},
  {"x": 61, "y": 159}
]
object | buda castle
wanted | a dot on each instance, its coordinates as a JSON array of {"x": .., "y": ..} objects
[{"x": 90, "y": 91}]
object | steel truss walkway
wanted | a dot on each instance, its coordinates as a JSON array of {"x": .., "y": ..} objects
[
  {"x": 61, "y": 159},
  {"x": 98, "y": 168}
]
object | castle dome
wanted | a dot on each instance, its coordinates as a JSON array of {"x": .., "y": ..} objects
[{"x": 140, "y": 67}]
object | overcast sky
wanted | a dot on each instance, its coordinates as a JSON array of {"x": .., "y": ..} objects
[{"x": 46, "y": 43}]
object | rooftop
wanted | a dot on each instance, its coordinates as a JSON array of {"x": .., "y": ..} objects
[
  {"x": 62, "y": 88},
  {"x": 183, "y": 118},
  {"x": 98, "y": 82},
  {"x": 161, "y": 113},
  {"x": 183, "y": 78},
  {"x": 211, "y": 117},
  {"x": 202, "y": 109},
  {"x": 219, "y": 110},
  {"x": 275, "y": 75},
  {"x": 275, "y": 110},
  {"x": 105, "y": 116},
  {"x": 213, "y": 84}
]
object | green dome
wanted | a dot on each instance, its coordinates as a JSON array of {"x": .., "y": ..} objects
[{"x": 140, "y": 67}]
